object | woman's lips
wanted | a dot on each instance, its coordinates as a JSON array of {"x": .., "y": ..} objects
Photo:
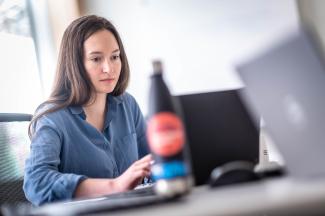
[{"x": 108, "y": 80}]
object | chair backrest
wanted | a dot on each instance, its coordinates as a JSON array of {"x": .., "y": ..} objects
[{"x": 14, "y": 148}]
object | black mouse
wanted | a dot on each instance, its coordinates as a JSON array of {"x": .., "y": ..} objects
[{"x": 233, "y": 172}]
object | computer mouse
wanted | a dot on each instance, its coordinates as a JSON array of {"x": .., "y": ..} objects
[{"x": 232, "y": 173}]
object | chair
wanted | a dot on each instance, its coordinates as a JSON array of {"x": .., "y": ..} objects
[{"x": 14, "y": 148}]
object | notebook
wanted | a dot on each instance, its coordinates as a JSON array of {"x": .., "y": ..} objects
[{"x": 286, "y": 85}]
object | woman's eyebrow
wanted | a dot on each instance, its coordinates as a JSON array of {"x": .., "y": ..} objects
[
  {"x": 99, "y": 52},
  {"x": 94, "y": 52}
]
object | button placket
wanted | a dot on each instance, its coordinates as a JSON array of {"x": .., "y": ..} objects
[{"x": 111, "y": 156}]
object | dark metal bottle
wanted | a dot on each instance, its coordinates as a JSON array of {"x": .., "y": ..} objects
[{"x": 167, "y": 139}]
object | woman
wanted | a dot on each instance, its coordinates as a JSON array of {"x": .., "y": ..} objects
[{"x": 86, "y": 140}]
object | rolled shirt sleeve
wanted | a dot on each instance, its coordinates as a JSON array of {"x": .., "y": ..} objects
[{"x": 42, "y": 181}]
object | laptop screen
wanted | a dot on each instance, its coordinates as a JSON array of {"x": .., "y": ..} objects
[
  {"x": 219, "y": 130},
  {"x": 286, "y": 85}
]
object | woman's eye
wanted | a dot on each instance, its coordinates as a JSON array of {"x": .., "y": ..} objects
[
  {"x": 115, "y": 57},
  {"x": 96, "y": 59}
]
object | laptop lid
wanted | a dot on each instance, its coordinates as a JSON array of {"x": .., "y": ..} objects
[
  {"x": 286, "y": 86},
  {"x": 219, "y": 130}
]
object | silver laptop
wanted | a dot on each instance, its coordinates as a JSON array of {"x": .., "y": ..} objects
[{"x": 286, "y": 85}]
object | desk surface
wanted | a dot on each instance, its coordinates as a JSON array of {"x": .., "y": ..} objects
[
  {"x": 283, "y": 196},
  {"x": 272, "y": 197}
]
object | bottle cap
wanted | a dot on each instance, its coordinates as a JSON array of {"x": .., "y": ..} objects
[{"x": 157, "y": 67}]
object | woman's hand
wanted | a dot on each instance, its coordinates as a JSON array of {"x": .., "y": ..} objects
[
  {"x": 134, "y": 174},
  {"x": 128, "y": 180}
]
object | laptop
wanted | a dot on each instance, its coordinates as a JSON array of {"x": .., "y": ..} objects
[
  {"x": 219, "y": 130},
  {"x": 286, "y": 85}
]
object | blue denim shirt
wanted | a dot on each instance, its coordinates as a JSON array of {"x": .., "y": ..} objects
[{"x": 65, "y": 149}]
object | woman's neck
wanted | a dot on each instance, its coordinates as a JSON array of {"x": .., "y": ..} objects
[
  {"x": 97, "y": 106},
  {"x": 95, "y": 112}
]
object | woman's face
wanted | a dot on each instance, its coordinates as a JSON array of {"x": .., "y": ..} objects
[{"x": 102, "y": 61}]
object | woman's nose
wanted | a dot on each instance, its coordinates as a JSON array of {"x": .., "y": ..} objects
[{"x": 106, "y": 66}]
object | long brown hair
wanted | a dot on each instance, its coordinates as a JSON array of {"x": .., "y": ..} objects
[{"x": 72, "y": 85}]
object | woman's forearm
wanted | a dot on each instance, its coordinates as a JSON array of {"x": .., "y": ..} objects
[
  {"x": 92, "y": 187},
  {"x": 96, "y": 187}
]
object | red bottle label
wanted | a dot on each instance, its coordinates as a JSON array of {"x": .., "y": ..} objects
[{"x": 165, "y": 134}]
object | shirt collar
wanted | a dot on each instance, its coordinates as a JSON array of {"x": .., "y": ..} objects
[
  {"x": 77, "y": 109},
  {"x": 113, "y": 102},
  {"x": 117, "y": 99}
]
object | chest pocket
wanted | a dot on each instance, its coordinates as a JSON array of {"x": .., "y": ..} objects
[{"x": 126, "y": 151}]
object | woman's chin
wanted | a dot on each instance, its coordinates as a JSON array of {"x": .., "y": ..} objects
[{"x": 106, "y": 90}]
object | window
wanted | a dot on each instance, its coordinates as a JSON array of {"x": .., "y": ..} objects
[{"x": 20, "y": 85}]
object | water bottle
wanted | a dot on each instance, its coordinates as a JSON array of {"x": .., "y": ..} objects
[{"x": 167, "y": 139}]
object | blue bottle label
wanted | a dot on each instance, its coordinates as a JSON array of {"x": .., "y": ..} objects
[{"x": 169, "y": 170}]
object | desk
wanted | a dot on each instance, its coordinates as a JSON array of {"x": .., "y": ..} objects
[
  {"x": 283, "y": 196},
  {"x": 272, "y": 197}
]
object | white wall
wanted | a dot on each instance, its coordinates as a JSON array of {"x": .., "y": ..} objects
[
  {"x": 199, "y": 41},
  {"x": 312, "y": 14}
]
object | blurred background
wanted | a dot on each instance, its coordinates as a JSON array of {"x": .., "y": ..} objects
[{"x": 200, "y": 42}]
